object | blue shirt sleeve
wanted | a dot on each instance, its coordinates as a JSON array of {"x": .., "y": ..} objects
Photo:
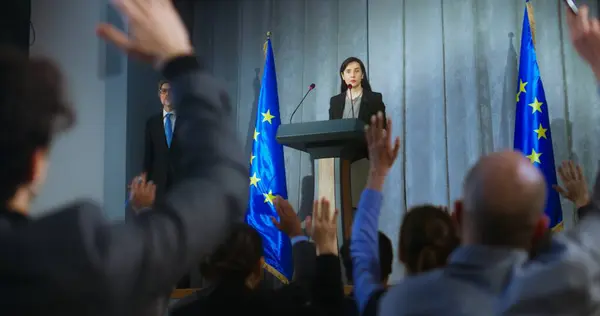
[
  {"x": 298, "y": 239},
  {"x": 364, "y": 248}
]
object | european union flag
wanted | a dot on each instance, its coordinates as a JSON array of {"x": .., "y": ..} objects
[
  {"x": 267, "y": 175},
  {"x": 532, "y": 125}
]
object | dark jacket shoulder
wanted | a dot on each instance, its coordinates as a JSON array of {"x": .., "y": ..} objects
[
  {"x": 155, "y": 117},
  {"x": 336, "y": 97},
  {"x": 375, "y": 95}
]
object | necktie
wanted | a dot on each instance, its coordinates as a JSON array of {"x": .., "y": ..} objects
[{"x": 169, "y": 128}]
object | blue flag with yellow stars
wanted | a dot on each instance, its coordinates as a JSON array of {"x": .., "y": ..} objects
[
  {"x": 532, "y": 124},
  {"x": 267, "y": 175}
]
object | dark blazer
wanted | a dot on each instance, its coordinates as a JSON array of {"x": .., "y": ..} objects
[
  {"x": 74, "y": 261},
  {"x": 159, "y": 159},
  {"x": 323, "y": 297},
  {"x": 305, "y": 257},
  {"x": 371, "y": 103}
]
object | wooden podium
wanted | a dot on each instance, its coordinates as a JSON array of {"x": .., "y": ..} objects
[{"x": 327, "y": 142}]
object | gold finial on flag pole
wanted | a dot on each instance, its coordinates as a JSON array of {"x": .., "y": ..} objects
[
  {"x": 266, "y": 42},
  {"x": 531, "y": 20}
]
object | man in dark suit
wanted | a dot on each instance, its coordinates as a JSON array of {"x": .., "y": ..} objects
[
  {"x": 161, "y": 150},
  {"x": 73, "y": 261},
  {"x": 161, "y": 145}
]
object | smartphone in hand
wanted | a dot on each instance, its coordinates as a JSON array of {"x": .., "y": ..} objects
[{"x": 572, "y": 6}]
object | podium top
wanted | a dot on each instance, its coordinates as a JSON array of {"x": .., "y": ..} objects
[{"x": 326, "y": 139}]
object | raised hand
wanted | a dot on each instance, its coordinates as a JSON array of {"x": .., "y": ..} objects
[
  {"x": 585, "y": 35},
  {"x": 157, "y": 31},
  {"x": 382, "y": 152},
  {"x": 289, "y": 223},
  {"x": 324, "y": 228},
  {"x": 142, "y": 193},
  {"x": 574, "y": 185}
]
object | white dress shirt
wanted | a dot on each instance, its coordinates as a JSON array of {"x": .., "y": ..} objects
[{"x": 348, "y": 111}]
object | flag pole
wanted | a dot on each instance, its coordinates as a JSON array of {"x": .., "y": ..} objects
[
  {"x": 266, "y": 266},
  {"x": 265, "y": 49},
  {"x": 531, "y": 20}
]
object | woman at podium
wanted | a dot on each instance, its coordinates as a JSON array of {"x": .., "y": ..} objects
[{"x": 356, "y": 100}]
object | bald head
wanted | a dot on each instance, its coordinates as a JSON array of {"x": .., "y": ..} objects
[{"x": 504, "y": 199}]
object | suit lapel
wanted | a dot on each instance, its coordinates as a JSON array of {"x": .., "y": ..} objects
[
  {"x": 363, "y": 112},
  {"x": 339, "y": 105},
  {"x": 160, "y": 131}
]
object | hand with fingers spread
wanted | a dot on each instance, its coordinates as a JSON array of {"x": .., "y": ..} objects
[
  {"x": 574, "y": 185},
  {"x": 157, "y": 31},
  {"x": 289, "y": 223},
  {"x": 142, "y": 193},
  {"x": 382, "y": 151},
  {"x": 585, "y": 35},
  {"x": 324, "y": 228}
]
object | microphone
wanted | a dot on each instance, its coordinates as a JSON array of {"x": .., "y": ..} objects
[
  {"x": 351, "y": 99},
  {"x": 310, "y": 88}
]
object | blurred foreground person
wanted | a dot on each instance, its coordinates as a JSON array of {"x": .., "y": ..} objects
[{"x": 73, "y": 261}]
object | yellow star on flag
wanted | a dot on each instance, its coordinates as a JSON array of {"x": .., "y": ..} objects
[
  {"x": 534, "y": 157},
  {"x": 252, "y": 158},
  {"x": 536, "y": 105},
  {"x": 541, "y": 132},
  {"x": 267, "y": 117},
  {"x": 256, "y": 133},
  {"x": 269, "y": 197},
  {"x": 254, "y": 180},
  {"x": 521, "y": 88}
]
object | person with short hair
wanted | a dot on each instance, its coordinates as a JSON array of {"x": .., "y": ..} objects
[
  {"x": 73, "y": 260},
  {"x": 161, "y": 146}
]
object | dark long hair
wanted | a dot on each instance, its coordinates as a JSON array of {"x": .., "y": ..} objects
[
  {"x": 236, "y": 258},
  {"x": 427, "y": 237},
  {"x": 364, "y": 82}
]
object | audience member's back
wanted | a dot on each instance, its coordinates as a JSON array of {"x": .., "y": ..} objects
[
  {"x": 386, "y": 256},
  {"x": 427, "y": 236},
  {"x": 235, "y": 271}
]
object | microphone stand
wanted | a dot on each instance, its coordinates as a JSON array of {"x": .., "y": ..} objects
[{"x": 351, "y": 99}]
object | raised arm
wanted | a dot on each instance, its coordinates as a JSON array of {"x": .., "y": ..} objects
[
  {"x": 302, "y": 250},
  {"x": 364, "y": 248},
  {"x": 149, "y": 255}
]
